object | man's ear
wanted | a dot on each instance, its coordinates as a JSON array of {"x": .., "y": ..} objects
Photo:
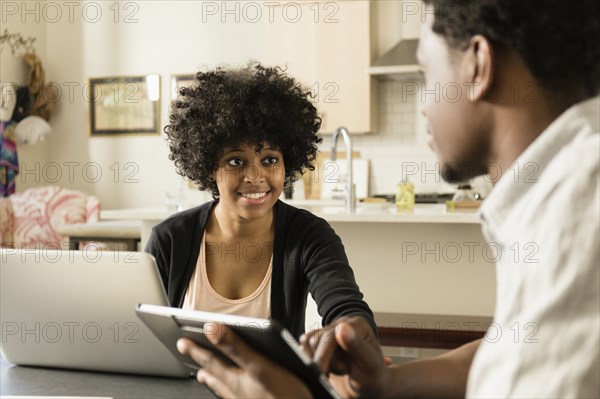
[{"x": 480, "y": 68}]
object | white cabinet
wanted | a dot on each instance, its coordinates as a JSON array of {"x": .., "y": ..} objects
[{"x": 326, "y": 45}]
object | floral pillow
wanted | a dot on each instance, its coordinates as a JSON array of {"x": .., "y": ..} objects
[
  {"x": 6, "y": 223},
  {"x": 39, "y": 211}
]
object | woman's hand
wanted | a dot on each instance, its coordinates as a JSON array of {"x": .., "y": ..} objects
[{"x": 256, "y": 377}]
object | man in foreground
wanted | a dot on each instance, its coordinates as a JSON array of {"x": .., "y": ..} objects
[{"x": 528, "y": 114}]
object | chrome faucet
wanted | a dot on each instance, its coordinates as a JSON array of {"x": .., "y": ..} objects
[{"x": 350, "y": 190}]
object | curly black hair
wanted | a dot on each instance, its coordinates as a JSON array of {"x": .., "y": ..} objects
[
  {"x": 557, "y": 39},
  {"x": 232, "y": 106}
]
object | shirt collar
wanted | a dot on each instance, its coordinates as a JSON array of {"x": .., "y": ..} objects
[{"x": 525, "y": 172}]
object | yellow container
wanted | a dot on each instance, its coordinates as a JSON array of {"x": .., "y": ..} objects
[{"x": 405, "y": 196}]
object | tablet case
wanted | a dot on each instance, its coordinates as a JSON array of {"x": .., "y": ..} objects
[{"x": 266, "y": 336}]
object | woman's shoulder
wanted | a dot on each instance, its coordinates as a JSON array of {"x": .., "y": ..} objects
[
  {"x": 297, "y": 218},
  {"x": 288, "y": 211},
  {"x": 186, "y": 219}
]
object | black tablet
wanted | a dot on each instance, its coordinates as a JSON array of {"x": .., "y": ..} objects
[{"x": 266, "y": 336}]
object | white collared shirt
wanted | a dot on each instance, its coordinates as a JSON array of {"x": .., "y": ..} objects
[{"x": 543, "y": 220}]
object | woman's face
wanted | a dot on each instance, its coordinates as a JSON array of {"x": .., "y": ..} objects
[{"x": 250, "y": 179}]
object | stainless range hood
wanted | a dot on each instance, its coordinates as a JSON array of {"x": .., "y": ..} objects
[{"x": 399, "y": 63}]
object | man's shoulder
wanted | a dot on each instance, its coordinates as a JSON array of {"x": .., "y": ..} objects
[
  {"x": 577, "y": 164},
  {"x": 568, "y": 186}
]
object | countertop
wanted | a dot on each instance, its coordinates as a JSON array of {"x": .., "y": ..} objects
[
  {"x": 422, "y": 213},
  {"x": 332, "y": 211}
]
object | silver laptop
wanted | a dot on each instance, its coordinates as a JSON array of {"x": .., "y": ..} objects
[{"x": 76, "y": 309}]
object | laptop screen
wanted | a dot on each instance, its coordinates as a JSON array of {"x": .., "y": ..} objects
[{"x": 76, "y": 309}]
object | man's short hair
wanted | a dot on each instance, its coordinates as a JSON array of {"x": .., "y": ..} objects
[{"x": 557, "y": 39}]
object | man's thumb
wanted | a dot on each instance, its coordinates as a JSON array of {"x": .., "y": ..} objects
[
  {"x": 365, "y": 357},
  {"x": 346, "y": 336}
]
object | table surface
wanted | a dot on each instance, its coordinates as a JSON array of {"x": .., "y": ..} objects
[{"x": 22, "y": 380}]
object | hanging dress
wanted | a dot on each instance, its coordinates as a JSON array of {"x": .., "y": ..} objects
[{"x": 9, "y": 161}]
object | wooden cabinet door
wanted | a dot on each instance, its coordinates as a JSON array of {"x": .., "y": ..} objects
[{"x": 328, "y": 49}]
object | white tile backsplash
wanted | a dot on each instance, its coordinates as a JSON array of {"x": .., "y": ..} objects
[{"x": 399, "y": 144}]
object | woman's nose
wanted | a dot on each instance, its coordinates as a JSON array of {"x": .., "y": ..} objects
[{"x": 253, "y": 173}]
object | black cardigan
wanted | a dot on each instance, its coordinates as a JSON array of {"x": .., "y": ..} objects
[{"x": 307, "y": 257}]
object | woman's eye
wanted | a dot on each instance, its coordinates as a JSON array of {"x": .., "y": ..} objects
[
  {"x": 235, "y": 162},
  {"x": 271, "y": 160}
]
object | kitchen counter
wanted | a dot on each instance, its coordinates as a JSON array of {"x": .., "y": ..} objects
[
  {"x": 332, "y": 211},
  {"x": 423, "y": 213}
]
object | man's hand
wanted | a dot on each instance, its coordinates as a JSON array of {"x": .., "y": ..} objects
[
  {"x": 256, "y": 377},
  {"x": 349, "y": 347}
]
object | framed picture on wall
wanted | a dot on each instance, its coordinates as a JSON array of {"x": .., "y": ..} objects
[
  {"x": 124, "y": 105},
  {"x": 179, "y": 81}
]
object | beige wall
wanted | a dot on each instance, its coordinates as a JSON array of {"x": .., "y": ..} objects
[{"x": 164, "y": 37}]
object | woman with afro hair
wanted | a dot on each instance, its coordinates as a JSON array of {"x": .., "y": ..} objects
[{"x": 243, "y": 134}]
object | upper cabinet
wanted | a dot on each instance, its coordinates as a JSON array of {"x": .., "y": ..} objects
[{"x": 327, "y": 46}]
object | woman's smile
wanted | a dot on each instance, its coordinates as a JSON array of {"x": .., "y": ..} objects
[{"x": 255, "y": 197}]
